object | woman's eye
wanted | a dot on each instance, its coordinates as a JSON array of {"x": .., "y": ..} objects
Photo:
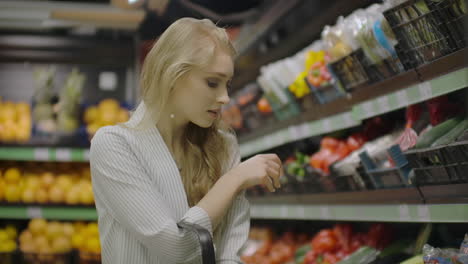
[{"x": 212, "y": 84}]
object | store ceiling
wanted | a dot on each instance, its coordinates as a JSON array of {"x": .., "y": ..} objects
[{"x": 90, "y": 16}]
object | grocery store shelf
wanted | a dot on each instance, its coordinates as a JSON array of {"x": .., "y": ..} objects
[
  {"x": 49, "y": 212},
  {"x": 44, "y": 154},
  {"x": 413, "y": 94},
  {"x": 435, "y": 213},
  {"x": 441, "y": 203},
  {"x": 368, "y": 101},
  {"x": 298, "y": 132}
]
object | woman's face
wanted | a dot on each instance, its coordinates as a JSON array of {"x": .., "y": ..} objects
[{"x": 199, "y": 95}]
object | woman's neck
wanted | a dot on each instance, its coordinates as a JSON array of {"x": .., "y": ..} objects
[{"x": 172, "y": 130}]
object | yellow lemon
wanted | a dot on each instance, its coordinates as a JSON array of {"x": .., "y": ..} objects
[
  {"x": 37, "y": 226},
  {"x": 3, "y": 236},
  {"x": 122, "y": 116},
  {"x": 11, "y": 232},
  {"x": 92, "y": 230},
  {"x": 77, "y": 241},
  {"x": 91, "y": 114},
  {"x": 12, "y": 193},
  {"x": 28, "y": 196},
  {"x": 42, "y": 196},
  {"x": 12, "y": 175},
  {"x": 93, "y": 245}
]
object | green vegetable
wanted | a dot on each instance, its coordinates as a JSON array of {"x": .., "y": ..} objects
[
  {"x": 423, "y": 236},
  {"x": 414, "y": 260},
  {"x": 396, "y": 247},
  {"x": 452, "y": 135},
  {"x": 301, "y": 252},
  {"x": 363, "y": 255},
  {"x": 436, "y": 132}
]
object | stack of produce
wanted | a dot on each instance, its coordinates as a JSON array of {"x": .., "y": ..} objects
[
  {"x": 35, "y": 186},
  {"x": 8, "y": 237},
  {"x": 43, "y": 239},
  {"x": 107, "y": 112},
  {"x": 15, "y": 122}
]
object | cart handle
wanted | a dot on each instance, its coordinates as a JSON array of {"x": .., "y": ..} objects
[{"x": 206, "y": 242}]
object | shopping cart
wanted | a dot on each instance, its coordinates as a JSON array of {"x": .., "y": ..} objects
[{"x": 206, "y": 242}]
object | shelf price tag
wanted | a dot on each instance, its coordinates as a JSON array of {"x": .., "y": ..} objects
[
  {"x": 304, "y": 131},
  {"x": 348, "y": 120},
  {"x": 34, "y": 212},
  {"x": 283, "y": 211},
  {"x": 368, "y": 109},
  {"x": 423, "y": 213},
  {"x": 324, "y": 212},
  {"x": 63, "y": 154},
  {"x": 41, "y": 154},
  {"x": 86, "y": 155},
  {"x": 383, "y": 104},
  {"x": 425, "y": 90},
  {"x": 404, "y": 212},
  {"x": 327, "y": 126},
  {"x": 300, "y": 212},
  {"x": 293, "y": 132}
]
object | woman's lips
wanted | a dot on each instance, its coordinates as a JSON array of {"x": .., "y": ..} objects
[{"x": 213, "y": 113}]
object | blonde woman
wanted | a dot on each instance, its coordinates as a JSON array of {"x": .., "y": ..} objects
[{"x": 174, "y": 161}]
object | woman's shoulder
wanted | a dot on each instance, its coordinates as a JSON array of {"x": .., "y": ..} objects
[{"x": 110, "y": 136}]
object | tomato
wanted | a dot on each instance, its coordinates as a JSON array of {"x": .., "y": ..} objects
[
  {"x": 264, "y": 106},
  {"x": 316, "y": 160},
  {"x": 344, "y": 234},
  {"x": 342, "y": 150},
  {"x": 329, "y": 143},
  {"x": 330, "y": 258},
  {"x": 324, "y": 241},
  {"x": 379, "y": 235},
  {"x": 310, "y": 256},
  {"x": 355, "y": 245}
]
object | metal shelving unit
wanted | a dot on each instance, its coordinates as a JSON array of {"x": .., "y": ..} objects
[{"x": 44, "y": 154}]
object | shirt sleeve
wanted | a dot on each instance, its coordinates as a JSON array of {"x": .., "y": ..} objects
[
  {"x": 124, "y": 190},
  {"x": 237, "y": 224}
]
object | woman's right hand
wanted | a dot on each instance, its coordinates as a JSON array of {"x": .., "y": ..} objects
[{"x": 263, "y": 169}]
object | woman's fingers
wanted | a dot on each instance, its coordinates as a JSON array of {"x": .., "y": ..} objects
[
  {"x": 274, "y": 174},
  {"x": 268, "y": 183}
]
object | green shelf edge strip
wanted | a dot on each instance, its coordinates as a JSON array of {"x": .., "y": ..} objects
[
  {"x": 53, "y": 213},
  {"x": 43, "y": 154},
  {"x": 421, "y": 213},
  {"x": 414, "y": 94}
]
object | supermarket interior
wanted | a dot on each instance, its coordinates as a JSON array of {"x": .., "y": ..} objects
[{"x": 365, "y": 103}]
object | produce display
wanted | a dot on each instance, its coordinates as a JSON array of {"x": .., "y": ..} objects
[
  {"x": 106, "y": 112},
  {"x": 35, "y": 185},
  {"x": 53, "y": 241},
  {"x": 15, "y": 122},
  {"x": 8, "y": 236},
  {"x": 344, "y": 243},
  {"x": 52, "y": 113}
]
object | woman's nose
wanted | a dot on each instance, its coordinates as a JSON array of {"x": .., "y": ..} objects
[{"x": 224, "y": 98}]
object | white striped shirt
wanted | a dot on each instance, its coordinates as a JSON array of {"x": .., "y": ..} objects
[{"x": 140, "y": 198}]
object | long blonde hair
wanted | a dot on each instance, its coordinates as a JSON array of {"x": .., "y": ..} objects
[{"x": 186, "y": 44}]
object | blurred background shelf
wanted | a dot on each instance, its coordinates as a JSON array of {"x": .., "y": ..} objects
[
  {"x": 48, "y": 212},
  {"x": 421, "y": 213},
  {"x": 44, "y": 154}
]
